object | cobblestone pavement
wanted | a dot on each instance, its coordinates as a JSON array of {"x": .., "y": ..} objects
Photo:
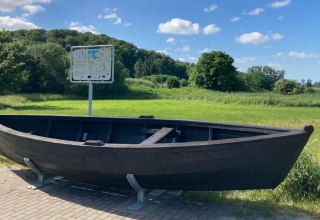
[{"x": 64, "y": 199}]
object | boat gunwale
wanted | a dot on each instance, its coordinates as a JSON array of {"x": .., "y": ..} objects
[{"x": 282, "y": 132}]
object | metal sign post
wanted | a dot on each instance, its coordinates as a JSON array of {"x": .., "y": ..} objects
[
  {"x": 90, "y": 94},
  {"x": 92, "y": 64}
]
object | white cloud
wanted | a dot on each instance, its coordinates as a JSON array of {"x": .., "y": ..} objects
[
  {"x": 280, "y": 55},
  {"x": 111, "y": 9},
  {"x": 31, "y": 9},
  {"x": 111, "y": 14},
  {"x": 275, "y": 65},
  {"x": 82, "y": 28},
  {"x": 235, "y": 19},
  {"x": 211, "y": 29},
  {"x": 118, "y": 21},
  {"x": 280, "y": 4},
  {"x": 188, "y": 59},
  {"x": 185, "y": 48},
  {"x": 244, "y": 60},
  {"x": 205, "y": 50},
  {"x": 178, "y": 26},
  {"x": 11, "y": 5},
  {"x": 257, "y": 38},
  {"x": 252, "y": 38},
  {"x": 253, "y": 12},
  {"x": 210, "y": 8},
  {"x": 303, "y": 55},
  {"x": 277, "y": 36},
  {"x": 170, "y": 40},
  {"x": 12, "y": 24},
  {"x": 280, "y": 18},
  {"x": 165, "y": 52}
]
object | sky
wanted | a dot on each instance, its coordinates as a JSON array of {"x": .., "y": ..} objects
[{"x": 283, "y": 34}]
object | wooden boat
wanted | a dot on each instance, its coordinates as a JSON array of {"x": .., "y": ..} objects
[{"x": 161, "y": 153}]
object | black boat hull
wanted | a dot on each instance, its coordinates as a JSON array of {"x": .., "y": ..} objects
[{"x": 257, "y": 162}]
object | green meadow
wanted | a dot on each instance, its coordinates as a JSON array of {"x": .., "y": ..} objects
[{"x": 300, "y": 192}]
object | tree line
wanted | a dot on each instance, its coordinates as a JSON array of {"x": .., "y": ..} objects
[
  {"x": 215, "y": 70},
  {"x": 37, "y": 61}
]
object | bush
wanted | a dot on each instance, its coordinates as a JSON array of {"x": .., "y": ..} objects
[
  {"x": 303, "y": 181},
  {"x": 288, "y": 87},
  {"x": 183, "y": 83},
  {"x": 157, "y": 79},
  {"x": 139, "y": 82},
  {"x": 173, "y": 82},
  {"x": 309, "y": 90}
]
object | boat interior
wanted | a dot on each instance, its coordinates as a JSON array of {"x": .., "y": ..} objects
[{"x": 144, "y": 130}]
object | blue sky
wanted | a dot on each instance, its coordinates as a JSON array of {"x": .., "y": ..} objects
[{"x": 284, "y": 34}]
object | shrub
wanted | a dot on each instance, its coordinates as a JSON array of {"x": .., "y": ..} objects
[
  {"x": 309, "y": 90},
  {"x": 173, "y": 82},
  {"x": 157, "y": 79},
  {"x": 303, "y": 181},
  {"x": 183, "y": 83},
  {"x": 288, "y": 87},
  {"x": 139, "y": 82}
]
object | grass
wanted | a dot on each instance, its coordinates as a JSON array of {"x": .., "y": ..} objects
[
  {"x": 5, "y": 162},
  {"x": 261, "y": 98},
  {"x": 179, "y": 104}
]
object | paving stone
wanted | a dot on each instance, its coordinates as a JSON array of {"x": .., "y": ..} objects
[{"x": 68, "y": 199}]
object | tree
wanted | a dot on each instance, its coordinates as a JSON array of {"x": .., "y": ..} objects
[
  {"x": 309, "y": 83},
  {"x": 257, "y": 81},
  {"x": 46, "y": 65},
  {"x": 215, "y": 71},
  {"x": 13, "y": 67},
  {"x": 181, "y": 70},
  {"x": 53, "y": 63},
  {"x": 5, "y": 37},
  {"x": 268, "y": 80}
]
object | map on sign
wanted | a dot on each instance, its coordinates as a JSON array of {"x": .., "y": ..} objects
[{"x": 92, "y": 64}]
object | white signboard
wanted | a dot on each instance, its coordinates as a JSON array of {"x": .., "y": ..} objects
[{"x": 92, "y": 64}]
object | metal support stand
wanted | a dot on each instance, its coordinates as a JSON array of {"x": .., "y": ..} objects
[
  {"x": 140, "y": 193},
  {"x": 35, "y": 169},
  {"x": 90, "y": 92}
]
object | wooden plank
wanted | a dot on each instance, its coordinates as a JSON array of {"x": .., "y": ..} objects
[
  {"x": 49, "y": 128},
  {"x": 109, "y": 133},
  {"x": 178, "y": 133},
  {"x": 210, "y": 134},
  {"x": 157, "y": 136},
  {"x": 145, "y": 127},
  {"x": 80, "y": 131}
]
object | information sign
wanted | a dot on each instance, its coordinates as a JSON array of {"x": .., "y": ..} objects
[{"x": 92, "y": 64}]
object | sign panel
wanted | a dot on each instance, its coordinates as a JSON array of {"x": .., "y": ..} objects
[{"x": 92, "y": 64}]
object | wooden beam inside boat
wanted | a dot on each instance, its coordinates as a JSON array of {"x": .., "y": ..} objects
[
  {"x": 157, "y": 136},
  {"x": 109, "y": 133}
]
